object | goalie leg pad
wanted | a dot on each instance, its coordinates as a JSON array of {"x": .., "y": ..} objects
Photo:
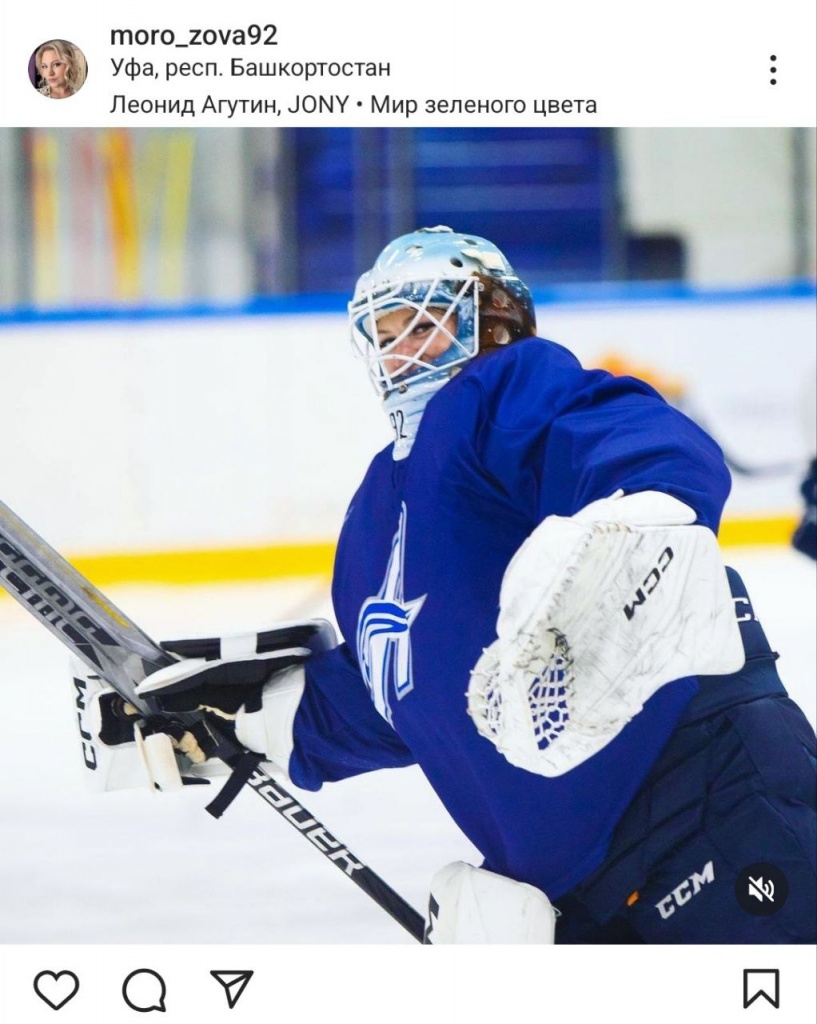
[{"x": 472, "y": 906}]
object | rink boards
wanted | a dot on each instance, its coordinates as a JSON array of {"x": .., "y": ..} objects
[{"x": 205, "y": 445}]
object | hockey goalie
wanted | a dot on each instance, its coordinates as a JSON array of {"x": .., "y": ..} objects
[{"x": 534, "y": 609}]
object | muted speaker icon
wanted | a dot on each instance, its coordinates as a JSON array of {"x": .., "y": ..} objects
[{"x": 761, "y": 889}]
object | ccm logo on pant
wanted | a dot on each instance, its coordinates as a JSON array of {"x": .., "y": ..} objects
[{"x": 684, "y": 892}]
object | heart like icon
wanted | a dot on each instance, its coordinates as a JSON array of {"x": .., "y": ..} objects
[{"x": 56, "y": 989}]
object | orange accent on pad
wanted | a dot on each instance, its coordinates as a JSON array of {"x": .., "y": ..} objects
[{"x": 633, "y": 898}]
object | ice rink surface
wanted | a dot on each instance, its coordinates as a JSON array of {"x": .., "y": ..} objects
[{"x": 137, "y": 867}]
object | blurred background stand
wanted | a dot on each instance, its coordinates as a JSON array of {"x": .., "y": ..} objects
[{"x": 99, "y": 217}]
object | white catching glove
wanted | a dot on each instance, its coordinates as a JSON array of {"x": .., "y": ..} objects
[{"x": 597, "y": 612}]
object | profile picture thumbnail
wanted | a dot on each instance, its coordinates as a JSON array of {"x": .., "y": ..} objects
[{"x": 57, "y": 69}]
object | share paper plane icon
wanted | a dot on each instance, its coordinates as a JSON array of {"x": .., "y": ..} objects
[{"x": 233, "y": 983}]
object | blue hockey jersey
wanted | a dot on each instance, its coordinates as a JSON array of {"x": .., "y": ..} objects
[{"x": 518, "y": 435}]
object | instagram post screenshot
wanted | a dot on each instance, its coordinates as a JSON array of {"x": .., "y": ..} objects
[{"x": 408, "y": 521}]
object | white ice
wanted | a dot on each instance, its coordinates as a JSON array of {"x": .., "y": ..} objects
[{"x": 138, "y": 867}]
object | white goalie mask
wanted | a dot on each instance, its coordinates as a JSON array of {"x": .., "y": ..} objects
[{"x": 432, "y": 299}]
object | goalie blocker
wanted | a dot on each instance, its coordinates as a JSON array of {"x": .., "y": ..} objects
[{"x": 249, "y": 685}]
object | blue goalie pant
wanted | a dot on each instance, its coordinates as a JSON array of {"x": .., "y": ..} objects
[{"x": 719, "y": 844}]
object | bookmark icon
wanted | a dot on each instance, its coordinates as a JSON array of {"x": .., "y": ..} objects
[{"x": 757, "y": 983}]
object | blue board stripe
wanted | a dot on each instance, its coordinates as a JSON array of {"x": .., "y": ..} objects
[{"x": 603, "y": 294}]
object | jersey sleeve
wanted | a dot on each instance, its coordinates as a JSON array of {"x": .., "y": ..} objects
[
  {"x": 337, "y": 732},
  {"x": 558, "y": 436}
]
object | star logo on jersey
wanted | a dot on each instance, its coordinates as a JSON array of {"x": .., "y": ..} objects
[{"x": 383, "y": 631}]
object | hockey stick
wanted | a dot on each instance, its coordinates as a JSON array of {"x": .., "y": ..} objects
[
  {"x": 763, "y": 469},
  {"x": 106, "y": 640}
]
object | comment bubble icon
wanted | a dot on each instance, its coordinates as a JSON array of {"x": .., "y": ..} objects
[{"x": 144, "y": 990}]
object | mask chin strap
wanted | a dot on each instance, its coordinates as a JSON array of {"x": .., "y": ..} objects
[{"x": 405, "y": 410}]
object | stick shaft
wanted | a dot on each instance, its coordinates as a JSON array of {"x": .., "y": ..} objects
[
  {"x": 273, "y": 793},
  {"x": 104, "y": 638},
  {"x": 72, "y": 608}
]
